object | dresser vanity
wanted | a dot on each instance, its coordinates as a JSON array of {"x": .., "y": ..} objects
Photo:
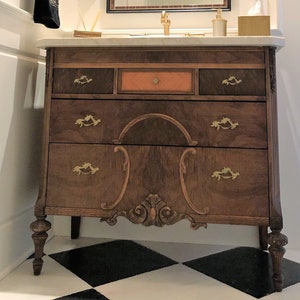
[{"x": 162, "y": 130}]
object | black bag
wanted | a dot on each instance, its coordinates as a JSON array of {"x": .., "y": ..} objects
[{"x": 46, "y": 12}]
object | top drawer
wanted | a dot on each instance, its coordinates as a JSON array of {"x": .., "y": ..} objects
[
  {"x": 247, "y": 82},
  {"x": 153, "y": 81},
  {"x": 83, "y": 81}
]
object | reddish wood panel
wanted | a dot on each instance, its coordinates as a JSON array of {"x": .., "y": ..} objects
[{"x": 156, "y": 81}]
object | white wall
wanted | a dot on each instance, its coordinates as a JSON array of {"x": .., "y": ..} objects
[
  {"x": 118, "y": 21},
  {"x": 288, "y": 74},
  {"x": 20, "y": 131}
]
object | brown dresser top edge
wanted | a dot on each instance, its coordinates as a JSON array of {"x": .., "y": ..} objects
[{"x": 165, "y": 55}]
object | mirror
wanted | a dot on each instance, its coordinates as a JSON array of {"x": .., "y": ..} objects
[{"x": 169, "y": 5}]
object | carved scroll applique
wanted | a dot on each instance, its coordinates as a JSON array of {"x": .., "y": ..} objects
[
  {"x": 182, "y": 172},
  {"x": 152, "y": 211},
  {"x": 126, "y": 169}
]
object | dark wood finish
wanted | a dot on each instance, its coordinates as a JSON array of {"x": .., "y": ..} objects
[
  {"x": 83, "y": 81},
  {"x": 205, "y": 151},
  {"x": 125, "y": 116},
  {"x": 68, "y": 189},
  {"x": 232, "y": 82},
  {"x": 263, "y": 237},
  {"x": 75, "y": 227},
  {"x": 155, "y": 57}
]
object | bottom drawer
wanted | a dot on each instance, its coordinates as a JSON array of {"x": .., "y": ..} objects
[{"x": 192, "y": 181}]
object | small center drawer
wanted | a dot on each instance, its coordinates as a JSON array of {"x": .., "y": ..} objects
[
  {"x": 232, "y": 82},
  {"x": 83, "y": 81},
  {"x": 152, "y": 81}
]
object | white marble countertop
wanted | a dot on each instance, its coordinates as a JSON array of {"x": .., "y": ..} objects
[{"x": 158, "y": 40}]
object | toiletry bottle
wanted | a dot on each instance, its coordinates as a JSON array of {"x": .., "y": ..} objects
[{"x": 219, "y": 24}]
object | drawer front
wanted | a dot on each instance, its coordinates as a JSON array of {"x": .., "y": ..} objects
[
  {"x": 83, "y": 81},
  {"x": 213, "y": 124},
  {"x": 191, "y": 181},
  {"x": 151, "y": 81},
  {"x": 232, "y": 82}
]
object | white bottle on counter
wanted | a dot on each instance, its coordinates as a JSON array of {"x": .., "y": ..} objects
[{"x": 219, "y": 24}]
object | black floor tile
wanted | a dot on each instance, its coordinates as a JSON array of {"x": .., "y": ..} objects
[
  {"x": 111, "y": 261},
  {"x": 246, "y": 269},
  {"x": 87, "y": 294}
]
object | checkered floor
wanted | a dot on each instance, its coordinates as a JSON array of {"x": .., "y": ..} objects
[{"x": 128, "y": 270}]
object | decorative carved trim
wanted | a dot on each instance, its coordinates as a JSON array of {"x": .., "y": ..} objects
[
  {"x": 272, "y": 61},
  {"x": 155, "y": 116},
  {"x": 39, "y": 228},
  {"x": 152, "y": 211},
  {"x": 182, "y": 171},
  {"x": 277, "y": 241},
  {"x": 126, "y": 168}
]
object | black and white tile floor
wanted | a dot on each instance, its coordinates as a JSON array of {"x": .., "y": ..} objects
[{"x": 127, "y": 270}]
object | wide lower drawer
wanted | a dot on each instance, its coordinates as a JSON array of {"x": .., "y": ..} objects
[
  {"x": 232, "y": 82},
  {"x": 216, "y": 124},
  {"x": 152, "y": 81},
  {"x": 83, "y": 81},
  {"x": 132, "y": 179}
]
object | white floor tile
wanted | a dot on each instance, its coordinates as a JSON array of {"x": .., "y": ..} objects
[
  {"x": 176, "y": 282},
  {"x": 292, "y": 254},
  {"x": 53, "y": 282},
  {"x": 182, "y": 252},
  {"x": 290, "y": 293}
]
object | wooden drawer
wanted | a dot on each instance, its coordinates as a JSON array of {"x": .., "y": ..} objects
[
  {"x": 232, "y": 82},
  {"x": 200, "y": 181},
  {"x": 153, "y": 81},
  {"x": 83, "y": 81},
  {"x": 213, "y": 124}
]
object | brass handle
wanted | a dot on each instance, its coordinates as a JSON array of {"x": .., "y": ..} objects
[
  {"x": 225, "y": 173},
  {"x": 231, "y": 80},
  {"x": 85, "y": 169},
  {"x": 225, "y": 124},
  {"x": 82, "y": 80},
  {"x": 87, "y": 121},
  {"x": 155, "y": 80}
]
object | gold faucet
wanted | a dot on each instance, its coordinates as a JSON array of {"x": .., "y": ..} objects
[{"x": 164, "y": 19}]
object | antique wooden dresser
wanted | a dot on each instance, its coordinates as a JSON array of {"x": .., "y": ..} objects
[{"x": 162, "y": 134}]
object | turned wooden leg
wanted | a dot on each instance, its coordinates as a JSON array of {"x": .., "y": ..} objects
[
  {"x": 40, "y": 228},
  {"x": 75, "y": 227},
  {"x": 277, "y": 241},
  {"x": 263, "y": 237}
]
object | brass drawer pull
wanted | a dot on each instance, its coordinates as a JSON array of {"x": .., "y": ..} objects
[
  {"x": 155, "y": 80},
  {"x": 225, "y": 173},
  {"x": 87, "y": 121},
  {"x": 82, "y": 80},
  {"x": 231, "y": 80},
  {"x": 85, "y": 169},
  {"x": 225, "y": 124}
]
